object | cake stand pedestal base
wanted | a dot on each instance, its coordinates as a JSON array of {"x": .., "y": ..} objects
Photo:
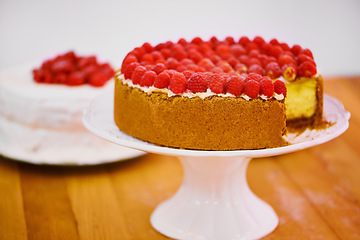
[{"x": 214, "y": 202}]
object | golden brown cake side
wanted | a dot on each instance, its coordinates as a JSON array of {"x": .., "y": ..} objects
[{"x": 213, "y": 123}]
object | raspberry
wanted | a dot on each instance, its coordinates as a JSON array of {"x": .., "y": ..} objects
[
  {"x": 42, "y": 76},
  {"x": 272, "y": 70},
  {"x": 244, "y": 59},
  {"x": 274, "y": 41},
  {"x": 241, "y": 68},
  {"x": 258, "y": 41},
  {"x": 223, "y": 50},
  {"x": 302, "y": 58},
  {"x": 217, "y": 70},
  {"x": 279, "y": 87},
  {"x": 230, "y": 40},
  {"x": 182, "y": 41},
  {"x": 216, "y": 83},
  {"x": 197, "y": 40},
  {"x": 197, "y": 83},
  {"x": 127, "y": 60},
  {"x": 165, "y": 52},
  {"x": 159, "y": 46},
  {"x": 179, "y": 54},
  {"x": 252, "y": 88},
  {"x": 256, "y": 68},
  {"x": 147, "y": 47},
  {"x": 233, "y": 61},
  {"x": 253, "y": 61},
  {"x": 296, "y": 49},
  {"x": 286, "y": 58},
  {"x": 285, "y": 47},
  {"x": 128, "y": 71},
  {"x": 77, "y": 78},
  {"x": 188, "y": 73},
  {"x": 307, "y": 69},
  {"x": 289, "y": 72},
  {"x": 172, "y": 63},
  {"x": 307, "y": 52},
  {"x": 275, "y": 51},
  {"x": 252, "y": 46},
  {"x": 107, "y": 70},
  {"x": 137, "y": 74},
  {"x": 181, "y": 68},
  {"x": 253, "y": 76},
  {"x": 194, "y": 55},
  {"x": 255, "y": 53},
  {"x": 170, "y": 72},
  {"x": 91, "y": 60},
  {"x": 237, "y": 50},
  {"x": 137, "y": 52},
  {"x": 206, "y": 63},
  {"x": 89, "y": 70},
  {"x": 158, "y": 68},
  {"x": 235, "y": 85},
  {"x": 244, "y": 41},
  {"x": 148, "y": 57},
  {"x": 177, "y": 83},
  {"x": 268, "y": 59},
  {"x": 148, "y": 79},
  {"x": 186, "y": 62},
  {"x": 60, "y": 78},
  {"x": 225, "y": 66},
  {"x": 266, "y": 87},
  {"x": 215, "y": 58},
  {"x": 157, "y": 56},
  {"x": 192, "y": 67},
  {"x": 162, "y": 80},
  {"x": 65, "y": 66}
]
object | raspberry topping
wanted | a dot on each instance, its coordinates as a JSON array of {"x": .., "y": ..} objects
[
  {"x": 73, "y": 70},
  {"x": 225, "y": 66}
]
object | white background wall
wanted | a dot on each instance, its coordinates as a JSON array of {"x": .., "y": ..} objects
[{"x": 32, "y": 30}]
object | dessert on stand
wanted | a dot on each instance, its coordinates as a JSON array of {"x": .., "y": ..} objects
[{"x": 216, "y": 105}]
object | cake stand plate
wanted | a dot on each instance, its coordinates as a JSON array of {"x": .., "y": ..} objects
[{"x": 214, "y": 200}]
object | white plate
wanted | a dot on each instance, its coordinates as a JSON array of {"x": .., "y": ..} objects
[{"x": 98, "y": 118}]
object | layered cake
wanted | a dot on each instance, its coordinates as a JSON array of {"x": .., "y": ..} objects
[
  {"x": 41, "y": 112},
  {"x": 217, "y": 95}
]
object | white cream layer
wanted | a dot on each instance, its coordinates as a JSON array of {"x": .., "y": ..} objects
[{"x": 43, "y": 105}]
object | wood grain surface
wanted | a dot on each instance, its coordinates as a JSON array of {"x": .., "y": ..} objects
[{"x": 315, "y": 192}]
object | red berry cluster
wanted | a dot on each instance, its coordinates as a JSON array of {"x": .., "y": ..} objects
[
  {"x": 223, "y": 66},
  {"x": 73, "y": 70}
]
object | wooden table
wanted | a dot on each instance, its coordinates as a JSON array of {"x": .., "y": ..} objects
[{"x": 315, "y": 192}]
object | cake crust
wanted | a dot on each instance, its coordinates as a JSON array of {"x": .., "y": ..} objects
[{"x": 196, "y": 123}]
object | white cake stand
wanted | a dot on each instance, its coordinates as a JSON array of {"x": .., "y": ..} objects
[{"x": 214, "y": 200}]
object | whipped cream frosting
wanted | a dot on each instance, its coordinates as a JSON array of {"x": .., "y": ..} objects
[
  {"x": 188, "y": 94},
  {"x": 43, "y": 122}
]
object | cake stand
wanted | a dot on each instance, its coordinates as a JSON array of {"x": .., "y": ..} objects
[{"x": 214, "y": 200}]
